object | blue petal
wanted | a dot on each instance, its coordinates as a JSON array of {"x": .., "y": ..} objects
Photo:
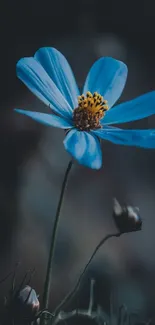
[
  {"x": 58, "y": 69},
  {"x": 107, "y": 76},
  {"x": 84, "y": 147},
  {"x": 138, "y": 138},
  {"x": 37, "y": 80},
  {"x": 133, "y": 110},
  {"x": 47, "y": 119}
]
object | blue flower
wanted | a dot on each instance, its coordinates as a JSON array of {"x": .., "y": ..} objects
[{"x": 87, "y": 117}]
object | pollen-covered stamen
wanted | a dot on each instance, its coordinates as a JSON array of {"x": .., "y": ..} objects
[{"x": 91, "y": 108}]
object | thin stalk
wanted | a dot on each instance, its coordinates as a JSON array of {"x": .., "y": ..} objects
[
  {"x": 78, "y": 283},
  {"x": 48, "y": 278}
]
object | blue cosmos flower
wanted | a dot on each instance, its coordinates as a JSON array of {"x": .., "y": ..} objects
[{"x": 88, "y": 117}]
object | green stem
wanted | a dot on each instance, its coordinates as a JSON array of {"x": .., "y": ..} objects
[
  {"x": 77, "y": 285},
  {"x": 48, "y": 278}
]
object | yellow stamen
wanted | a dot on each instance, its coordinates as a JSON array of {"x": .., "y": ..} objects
[
  {"x": 92, "y": 102},
  {"x": 91, "y": 108},
  {"x": 106, "y": 107}
]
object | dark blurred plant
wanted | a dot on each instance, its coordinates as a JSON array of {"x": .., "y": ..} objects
[
  {"x": 99, "y": 316},
  {"x": 21, "y": 305}
]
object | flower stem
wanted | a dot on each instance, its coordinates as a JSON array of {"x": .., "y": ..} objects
[
  {"x": 78, "y": 283},
  {"x": 48, "y": 278}
]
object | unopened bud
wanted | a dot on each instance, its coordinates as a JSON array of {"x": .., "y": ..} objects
[
  {"x": 27, "y": 302},
  {"x": 127, "y": 218}
]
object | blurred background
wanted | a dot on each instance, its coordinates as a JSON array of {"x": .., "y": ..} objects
[{"x": 33, "y": 159}]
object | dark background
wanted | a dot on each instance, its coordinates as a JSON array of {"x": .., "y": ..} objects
[{"x": 33, "y": 160}]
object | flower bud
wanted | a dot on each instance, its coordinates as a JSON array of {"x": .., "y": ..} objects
[
  {"x": 127, "y": 218},
  {"x": 27, "y": 302}
]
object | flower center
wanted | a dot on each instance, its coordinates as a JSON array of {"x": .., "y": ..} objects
[{"x": 91, "y": 108}]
